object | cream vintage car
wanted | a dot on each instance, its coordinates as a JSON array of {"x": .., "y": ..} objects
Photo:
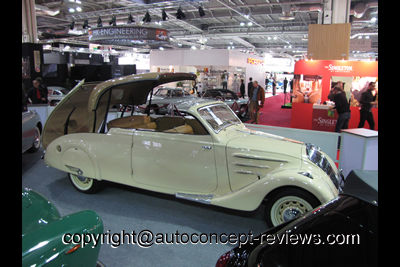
[{"x": 208, "y": 156}]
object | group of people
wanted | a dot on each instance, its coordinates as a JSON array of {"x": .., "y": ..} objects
[
  {"x": 342, "y": 106},
  {"x": 35, "y": 95}
]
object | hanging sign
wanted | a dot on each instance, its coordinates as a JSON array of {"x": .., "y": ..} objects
[{"x": 127, "y": 35}]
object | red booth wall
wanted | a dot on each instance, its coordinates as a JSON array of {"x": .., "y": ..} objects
[{"x": 302, "y": 112}]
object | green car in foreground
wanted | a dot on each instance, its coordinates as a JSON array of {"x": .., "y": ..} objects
[{"x": 47, "y": 237}]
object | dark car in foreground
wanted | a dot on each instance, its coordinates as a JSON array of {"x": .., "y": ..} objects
[{"x": 342, "y": 232}]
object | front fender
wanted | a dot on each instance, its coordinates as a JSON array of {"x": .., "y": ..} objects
[
  {"x": 45, "y": 245},
  {"x": 250, "y": 197}
]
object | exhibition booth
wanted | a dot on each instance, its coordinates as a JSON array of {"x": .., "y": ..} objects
[
  {"x": 313, "y": 80},
  {"x": 213, "y": 67}
]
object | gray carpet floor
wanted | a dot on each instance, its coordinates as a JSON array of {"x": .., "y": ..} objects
[{"x": 128, "y": 209}]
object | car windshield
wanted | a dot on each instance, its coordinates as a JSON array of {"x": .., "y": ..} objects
[
  {"x": 162, "y": 92},
  {"x": 218, "y": 116}
]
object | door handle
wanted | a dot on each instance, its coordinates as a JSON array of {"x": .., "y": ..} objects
[{"x": 206, "y": 147}]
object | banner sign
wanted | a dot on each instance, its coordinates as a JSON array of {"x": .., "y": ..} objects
[
  {"x": 254, "y": 61},
  {"x": 128, "y": 35}
]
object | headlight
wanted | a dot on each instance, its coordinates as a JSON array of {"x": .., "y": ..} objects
[{"x": 315, "y": 156}]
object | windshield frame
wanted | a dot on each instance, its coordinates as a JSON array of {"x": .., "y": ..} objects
[{"x": 218, "y": 123}]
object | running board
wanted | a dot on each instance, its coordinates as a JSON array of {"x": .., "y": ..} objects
[{"x": 204, "y": 199}]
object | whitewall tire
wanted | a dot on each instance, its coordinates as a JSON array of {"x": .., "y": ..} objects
[
  {"x": 287, "y": 204},
  {"x": 84, "y": 184}
]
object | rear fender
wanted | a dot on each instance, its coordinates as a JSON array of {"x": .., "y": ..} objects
[{"x": 75, "y": 160}]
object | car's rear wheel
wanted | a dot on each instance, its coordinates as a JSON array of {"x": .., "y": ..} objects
[
  {"x": 84, "y": 184},
  {"x": 287, "y": 204}
]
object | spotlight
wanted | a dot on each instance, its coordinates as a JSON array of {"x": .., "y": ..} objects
[
  {"x": 85, "y": 24},
  {"x": 147, "y": 17},
  {"x": 99, "y": 23},
  {"x": 72, "y": 25},
  {"x": 130, "y": 19},
  {"x": 201, "y": 12},
  {"x": 113, "y": 21},
  {"x": 179, "y": 14},
  {"x": 164, "y": 15}
]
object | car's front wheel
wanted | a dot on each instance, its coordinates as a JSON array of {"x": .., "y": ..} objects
[
  {"x": 287, "y": 204},
  {"x": 84, "y": 184}
]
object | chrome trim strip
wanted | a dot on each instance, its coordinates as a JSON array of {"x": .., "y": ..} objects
[
  {"x": 204, "y": 199},
  {"x": 244, "y": 172},
  {"x": 251, "y": 165},
  {"x": 246, "y": 156}
]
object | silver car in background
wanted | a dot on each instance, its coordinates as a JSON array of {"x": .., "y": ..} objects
[
  {"x": 238, "y": 105},
  {"x": 31, "y": 131},
  {"x": 165, "y": 96}
]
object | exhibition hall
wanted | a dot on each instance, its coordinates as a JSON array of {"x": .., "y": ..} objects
[{"x": 200, "y": 133}]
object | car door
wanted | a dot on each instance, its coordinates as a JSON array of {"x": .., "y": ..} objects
[{"x": 182, "y": 162}]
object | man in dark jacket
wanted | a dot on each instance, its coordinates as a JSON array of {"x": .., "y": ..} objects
[
  {"x": 367, "y": 100},
  {"x": 257, "y": 98},
  {"x": 36, "y": 94},
  {"x": 249, "y": 86},
  {"x": 342, "y": 107}
]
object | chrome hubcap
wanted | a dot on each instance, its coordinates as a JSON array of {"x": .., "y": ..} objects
[{"x": 288, "y": 208}]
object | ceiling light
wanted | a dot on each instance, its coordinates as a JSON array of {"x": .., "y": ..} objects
[
  {"x": 164, "y": 15},
  {"x": 79, "y": 9},
  {"x": 71, "y": 10},
  {"x": 275, "y": 37},
  {"x": 249, "y": 23},
  {"x": 113, "y": 21},
  {"x": 242, "y": 23},
  {"x": 130, "y": 19},
  {"x": 193, "y": 47},
  {"x": 147, "y": 17},
  {"x": 72, "y": 25},
  {"x": 85, "y": 24},
  {"x": 286, "y": 11},
  {"x": 180, "y": 14},
  {"x": 99, "y": 23},
  {"x": 367, "y": 37},
  {"x": 161, "y": 48},
  {"x": 201, "y": 12},
  {"x": 373, "y": 19}
]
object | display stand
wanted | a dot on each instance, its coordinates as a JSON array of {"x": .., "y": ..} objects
[{"x": 358, "y": 150}]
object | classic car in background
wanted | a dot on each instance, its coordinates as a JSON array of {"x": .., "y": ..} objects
[
  {"x": 238, "y": 105},
  {"x": 342, "y": 232},
  {"x": 163, "y": 97},
  {"x": 208, "y": 156},
  {"x": 43, "y": 232},
  {"x": 31, "y": 131},
  {"x": 55, "y": 94}
]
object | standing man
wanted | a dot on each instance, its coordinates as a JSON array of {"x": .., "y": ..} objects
[
  {"x": 224, "y": 78},
  {"x": 257, "y": 98},
  {"x": 249, "y": 86},
  {"x": 367, "y": 100},
  {"x": 36, "y": 94},
  {"x": 242, "y": 90},
  {"x": 343, "y": 109}
]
